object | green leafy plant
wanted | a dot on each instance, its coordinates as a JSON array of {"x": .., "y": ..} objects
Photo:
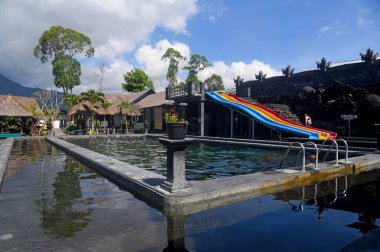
[
  {"x": 13, "y": 129},
  {"x": 70, "y": 128},
  {"x": 97, "y": 123},
  {"x": 171, "y": 117},
  {"x": 92, "y": 132}
]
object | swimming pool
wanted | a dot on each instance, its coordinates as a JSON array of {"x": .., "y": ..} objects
[
  {"x": 51, "y": 202},
  {"x": 203, "y": 160}
]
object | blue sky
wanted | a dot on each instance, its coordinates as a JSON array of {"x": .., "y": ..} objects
[
  {"x": 238, "y": 37},
  {"x": 285, "y": 32}
]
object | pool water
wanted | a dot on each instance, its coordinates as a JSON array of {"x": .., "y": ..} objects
[
  {"x": 51, "y": 202},
  {"x": 203, "y": 161}
]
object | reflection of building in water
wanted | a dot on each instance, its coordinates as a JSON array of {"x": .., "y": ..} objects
[{"x": 25, "y": 152}]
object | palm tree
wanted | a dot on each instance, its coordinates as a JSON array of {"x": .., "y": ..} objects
[
  {"x": 93, "y": 97},
  {"x": 71, "y": 100},
  {"x": 126, "y": 109}
]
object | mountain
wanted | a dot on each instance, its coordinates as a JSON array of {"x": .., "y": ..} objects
[{"x": 10, "y": 87}]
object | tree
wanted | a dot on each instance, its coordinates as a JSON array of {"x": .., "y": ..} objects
[
  {"x": 323, "y": 65},
  {"x": 50, "y": 104},
  {"x": 101, "y": 68},
  {"x": 71, "y": 100},
  {"x": 174, "y": 58},
  {"x": 196, "y": 64},
  {"x": 192, "y": 78},
  {"x": 136, "y": 81},
  {"x": 369, "y": 57},
  {"x": 93, "y": 97},
  {"x": 62, "y": 44},
  {"x": 66, "y": 72},
  {"x": 58, "y": 40},
  {"x": 214, "y": 83},
  {"x": 130, "y": 109}
]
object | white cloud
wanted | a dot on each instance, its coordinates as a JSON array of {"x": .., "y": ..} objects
[
  {"x": 325, "y": 29},
  {"x": 230, "y": 72},
  {"x": 112, "y": 76},
  {"x": 116, "y": 27},
  {"x": 363, "y": 18},
  {"x": 150, "y": 58},
  {"x": 212, "y": 9}
]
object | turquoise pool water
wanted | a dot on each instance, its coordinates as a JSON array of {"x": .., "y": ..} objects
[
  {"x": 51, "y": 202},
  {"x": 203, "y": 161}
]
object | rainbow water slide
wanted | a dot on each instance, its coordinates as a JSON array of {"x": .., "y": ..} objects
[{"x": 270, "y": 118}]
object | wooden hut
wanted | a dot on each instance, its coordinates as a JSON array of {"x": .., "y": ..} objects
[{"x": 17, "y": 113}]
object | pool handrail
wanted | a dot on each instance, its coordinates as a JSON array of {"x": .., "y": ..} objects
[
  {"x": 316, "y": 153},
  {"x": 287, "y": 152},
  {"x": 334, "y": 143}
]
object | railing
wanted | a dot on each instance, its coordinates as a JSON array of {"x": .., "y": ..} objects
[
  {"x": 295, "y": 160},
  {"x": 317, "y": 151},
  {"x": 316, "y": 154},
  {"x": 185, "y": 90}
]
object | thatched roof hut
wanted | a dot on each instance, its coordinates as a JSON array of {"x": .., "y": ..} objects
[
  {"x": 17, "y": 106},
  {"x": 84, "y": 108},
  {"x": 114, "y": 108}
]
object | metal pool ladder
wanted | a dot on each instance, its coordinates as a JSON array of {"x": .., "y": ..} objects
[
  {"x": 334, "y": 143},
  {"x": 317, "y": 151}
]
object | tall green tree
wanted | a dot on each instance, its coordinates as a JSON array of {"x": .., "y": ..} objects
[
  {"x": 66, "y": 72},
  {"x": 136, "y": 81},
  {"x": 214, "y": 83},
  {"x": 61, "y": 45},
  {"x": 174, "y": 58},
  {"x": 58, "y": 40},
  {"x": 196, "y": 64},
  {"x": 93, "y": 97}
]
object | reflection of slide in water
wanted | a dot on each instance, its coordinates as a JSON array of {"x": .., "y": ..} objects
[{"x": 270, "y": 118}]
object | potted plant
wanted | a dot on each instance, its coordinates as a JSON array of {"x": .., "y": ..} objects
[{"x": 175, "y": 127}]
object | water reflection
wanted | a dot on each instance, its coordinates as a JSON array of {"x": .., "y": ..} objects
[
  {"x": 65, "y": 212},
  {"x": 176, "y": 234},
  {"x": 353, "y": 194},
  {"x": 361, "y": 196}
]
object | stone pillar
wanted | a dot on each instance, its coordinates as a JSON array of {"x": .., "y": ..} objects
[
  {"x": 201, "y": 117},
  {"x": 378, "y": 136},
  {"x": 167, "y": 93},
  {"x": 176, "y": 233},
  {"x": 175, "y": 152}
]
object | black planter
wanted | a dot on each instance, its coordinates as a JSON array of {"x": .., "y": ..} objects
[{"x": 176, "y": 130}]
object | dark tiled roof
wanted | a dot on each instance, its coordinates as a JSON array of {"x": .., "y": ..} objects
[{"x": 154, "y": 100}]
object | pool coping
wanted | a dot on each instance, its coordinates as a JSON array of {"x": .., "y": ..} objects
[
  {"x": 6, "y": 148},
  {"x": 202, "y": 195}
]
